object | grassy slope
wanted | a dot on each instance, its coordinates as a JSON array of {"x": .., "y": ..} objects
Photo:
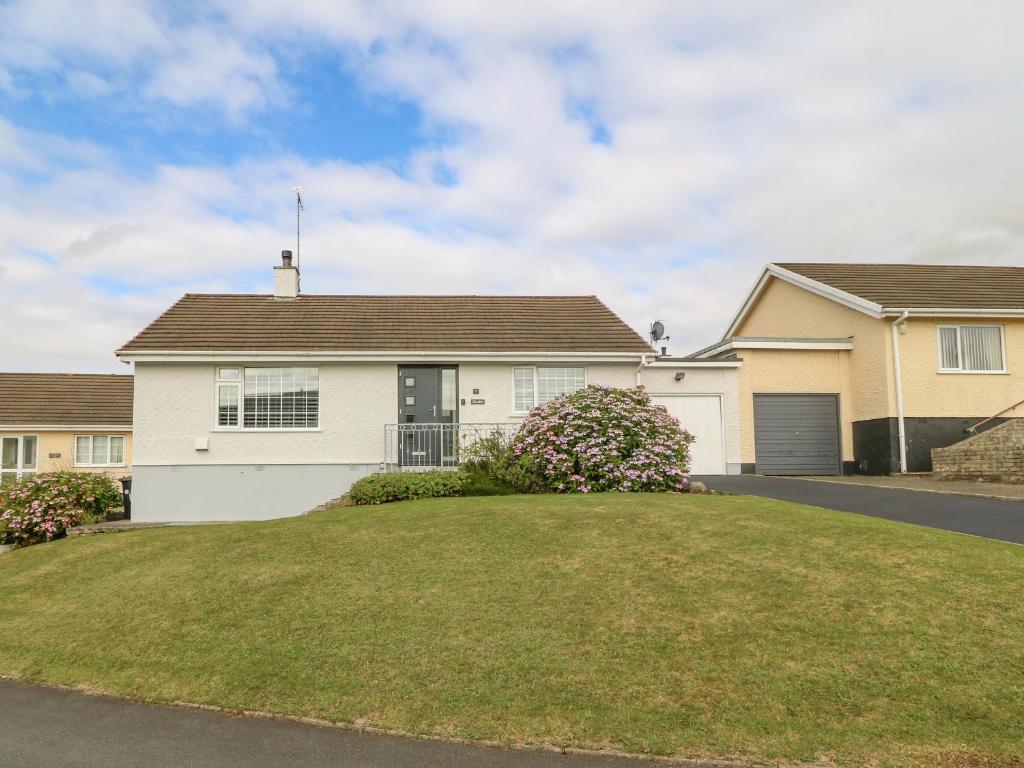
[{"x": 679, "y": 625}]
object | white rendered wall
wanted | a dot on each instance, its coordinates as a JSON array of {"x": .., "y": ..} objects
[
  {"x": 262, "y": 474},
  {"x": 495, "y": 385},
  {"x": 174, "y": 405},
  {"x": 704, "y": 381}
]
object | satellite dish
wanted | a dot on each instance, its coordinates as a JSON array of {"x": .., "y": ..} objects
[{"x": 657, "y": 331}]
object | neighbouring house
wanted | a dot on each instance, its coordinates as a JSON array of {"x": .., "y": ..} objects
[
  {"x": 868, "y": 367},
  {"x": 64, "y": 421},
  {"x": 261, "y": 406}
]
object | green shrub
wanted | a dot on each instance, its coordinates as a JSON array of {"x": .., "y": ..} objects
[
  {"x": 479, "y": 483},
  {"x": 494, "y": 469},
  {"x": 399, "y": 486}
]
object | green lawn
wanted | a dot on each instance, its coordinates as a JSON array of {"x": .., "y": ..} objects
[{"x": 689, "y": 626}]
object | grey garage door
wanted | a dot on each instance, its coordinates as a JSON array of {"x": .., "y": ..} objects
[{"x": 797, "y": 434}]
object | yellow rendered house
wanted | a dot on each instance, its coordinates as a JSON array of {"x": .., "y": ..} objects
[
  {"x": 64, "y": 421},
  {"x": 868, "y": 367}
]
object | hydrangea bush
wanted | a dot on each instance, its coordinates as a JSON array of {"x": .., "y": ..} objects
[
  {"x": 36, "y": 524},
  {"x": 604, "y": 439},
  {"x": 43, "y": 506}
]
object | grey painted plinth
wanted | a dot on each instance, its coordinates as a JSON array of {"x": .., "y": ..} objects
[{"x": 206, "y": 492}]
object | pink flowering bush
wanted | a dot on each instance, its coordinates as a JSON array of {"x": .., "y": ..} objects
[
  {"x": 43, "y": 506},
  {"x": 604, "y": 439}
]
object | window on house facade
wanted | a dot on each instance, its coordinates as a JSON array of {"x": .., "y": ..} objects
[
  {"x": 971, "y": 349},
  {"x": 99, "y": 450},
  {"x": 17, "y": 457},
  {"x": 268, "y": 398},
  {"x": 536, "y": 386}
]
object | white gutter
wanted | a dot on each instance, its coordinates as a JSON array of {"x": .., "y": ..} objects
[
  {"x": 955, "y": 312},
  {"x": 30, "y": 428},
  {"x": 373, "y": 356},
  {"x": 696, "y": 364},
  {"x": 902, "y": 434},
  {"x": 741, "y": 343}
]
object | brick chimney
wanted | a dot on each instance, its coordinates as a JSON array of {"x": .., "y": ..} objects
[{"x": 286, "y": 278}]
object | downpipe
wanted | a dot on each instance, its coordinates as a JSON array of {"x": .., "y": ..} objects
[
  {"x": 900, "y": 425},
  {"x": 643, "y": 364}
]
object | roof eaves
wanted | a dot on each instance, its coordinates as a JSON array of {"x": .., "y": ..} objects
[
  {"x": 612, "y": 312},
  {"x": 130, "y": 354},
  {"x": 156, "y": 320},
  {"x": 775, "y": 342},
  {"x": 827, "y": 291},
  {"x": 84, "y": 426},
  {"x": 955, "y": 311},
  {"x": 824, "y": 290}
]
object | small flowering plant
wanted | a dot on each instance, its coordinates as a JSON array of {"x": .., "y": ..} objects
[
  {"x": 42, "y": 507},
  {"x": 35, "y": 525},
  {"x": 604, "y": 439}
]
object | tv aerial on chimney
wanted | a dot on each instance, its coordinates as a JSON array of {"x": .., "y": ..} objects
[{"x": 298, "y": 225}]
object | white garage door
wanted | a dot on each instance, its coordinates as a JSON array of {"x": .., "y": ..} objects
[{"x": 701, "y": 416}]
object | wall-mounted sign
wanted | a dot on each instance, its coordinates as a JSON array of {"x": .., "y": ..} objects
[{"x": 477, "y": 401}]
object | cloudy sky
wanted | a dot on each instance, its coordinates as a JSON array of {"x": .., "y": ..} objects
[{"x": 655, "y": 154}]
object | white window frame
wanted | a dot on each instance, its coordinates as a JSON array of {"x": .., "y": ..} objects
[
  {"x": 959, "y": 347},
  {"x": 124, "y": 451},
  {"x": 20, "y": 472},
  {"x": 221, "y": 380},
  {"x": 239, "y": 383},
  {"x": 536, "y": 383}
]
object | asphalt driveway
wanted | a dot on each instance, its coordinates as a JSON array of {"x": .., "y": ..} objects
[
  {"x": 991, "y": 518},
  {"x": 53, "y": 728}
]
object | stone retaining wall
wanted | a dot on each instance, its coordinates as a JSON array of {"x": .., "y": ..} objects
[{"x": 996, "y": 455}]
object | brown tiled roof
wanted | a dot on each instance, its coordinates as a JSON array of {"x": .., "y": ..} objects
[
  {"x": 243, "y": 322},
  {"x": 54, "y": 399},
  {"x": 923, "y": 285}
]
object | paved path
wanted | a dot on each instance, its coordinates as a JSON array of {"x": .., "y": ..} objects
[
  {"x": 991, "y": 518},
  {"x": 54, "y": 728}
]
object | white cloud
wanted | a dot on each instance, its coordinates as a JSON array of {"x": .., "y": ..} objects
[
  {"x": 39, "y": 34},
  {"x": 737, "y": 134},
  {"x": 209, "y": 67},
  {"x": 6, "y": 82},
  {"x": 152, "y": 50},
  {"x": 88, "y": 83}
]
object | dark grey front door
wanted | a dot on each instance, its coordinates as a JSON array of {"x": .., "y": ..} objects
[
  {"x": 427, "y": 398},
  {"x": 797, "y": 434}
]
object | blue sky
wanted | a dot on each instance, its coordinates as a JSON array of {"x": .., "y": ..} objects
[{"x": 656, "y": 155}]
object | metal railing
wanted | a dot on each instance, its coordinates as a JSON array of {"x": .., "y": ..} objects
[
  {"x": 412, "y": 447},
  {"x": 974, "y": 427}
]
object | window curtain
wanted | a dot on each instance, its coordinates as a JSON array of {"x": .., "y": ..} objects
[
  {"x": 950, "y": 351},
  {"x": 982, "y": 348}
]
